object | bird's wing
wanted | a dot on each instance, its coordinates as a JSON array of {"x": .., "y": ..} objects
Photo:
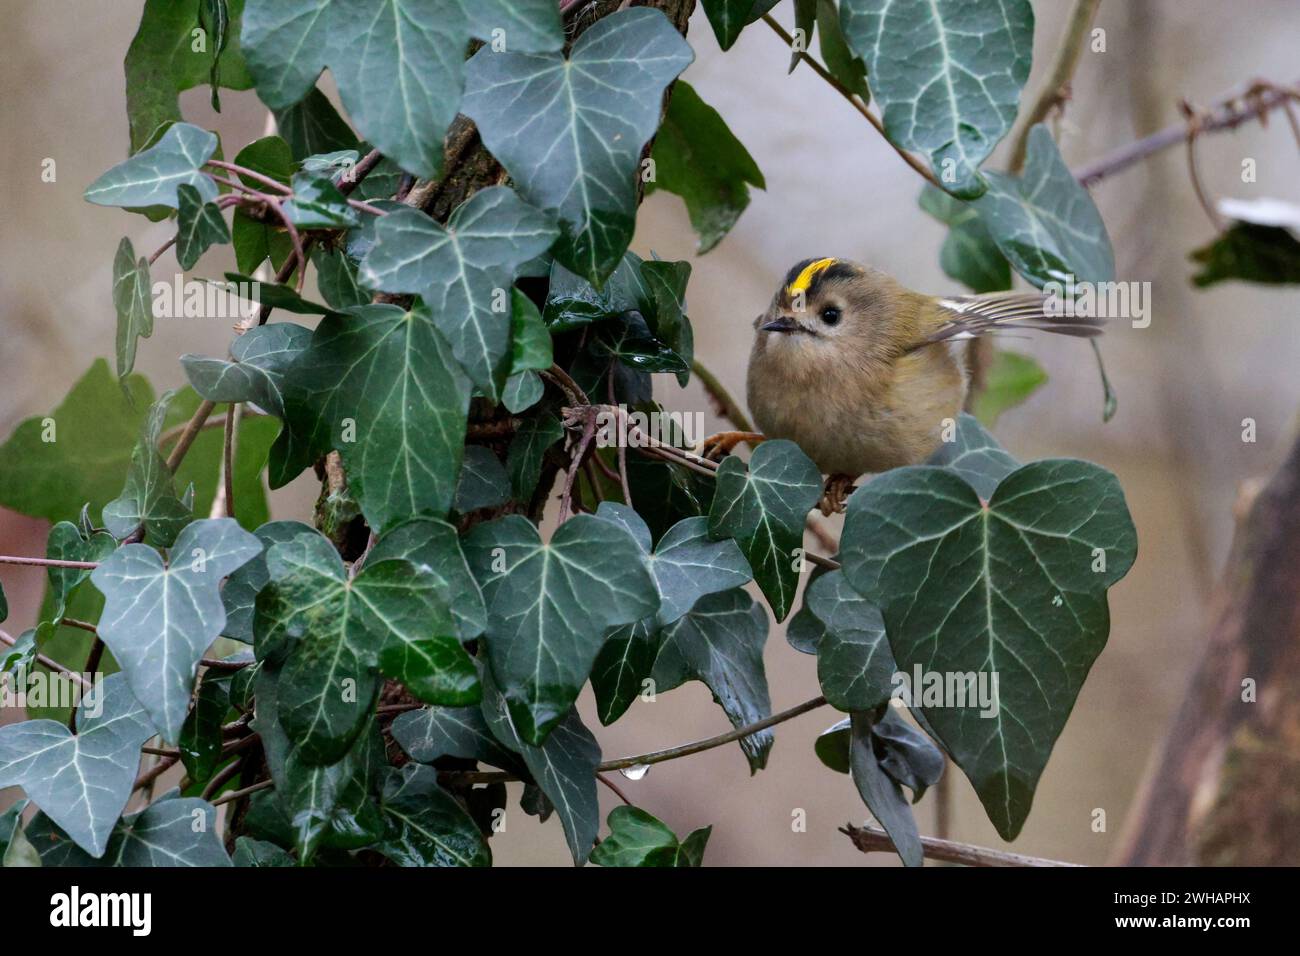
[{"x": 968, "y": 316}]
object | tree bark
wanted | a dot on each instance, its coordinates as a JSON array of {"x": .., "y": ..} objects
[{"x": 1225, "y": 788}]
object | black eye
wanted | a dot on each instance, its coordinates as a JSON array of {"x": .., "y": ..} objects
[{"x": 830, "y": 315}]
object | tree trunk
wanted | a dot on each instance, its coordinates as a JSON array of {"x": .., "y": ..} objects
[{"x": 1225, "y": 789}]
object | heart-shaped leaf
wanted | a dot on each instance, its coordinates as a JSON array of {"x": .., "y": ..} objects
[
  {"x": 199, "y": 226},
  {"x": 947, "y": 75},
  {"x": 563, "y": 767},
  {"x": 550, "y": 605},
  {"x": 1044, "y": 222},
  {"x": 764, "y": 507},
  {"x": 132, "y": 303},
  {"x": 483, "y": 481},
  {"x": 398, "y": 63},
  {"x": 1011, "y": 594},
  {"x": 380, "y": 385},
  {"x": 260, "y": 359},
  {"x": 166, "y": 833},
  {"x": 426, "y": 826},
  {"x": 149, "y": 498},
  {"x": 463, "y": 272},
  {"x": 434, "y": 544},
  {"x": 240, "y": 592},
  {"x": 151, "y": 176},
  {"x": 80, "y": 781},
  {"x": 637, "y": 838},
  {"x": 720, "y": 642},
  {"x": 974, "y": 455},
  {"x": 328, "y": 634},
  {"x": 432, "y": 732},
  {"x": 66, "y": 542},
  {"x": 854, "y": 665},
  {"x": 571, "y": 130},
  {"x": 159, "y": 619}
]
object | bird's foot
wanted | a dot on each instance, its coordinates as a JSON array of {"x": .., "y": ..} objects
[
  {"x": 836, "y": 495},
  {"x": 716, "y": 447}
]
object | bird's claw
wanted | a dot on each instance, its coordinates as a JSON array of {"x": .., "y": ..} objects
[
  {"x": 836, "y": 495},
  {"x": 716, "y": 447}
]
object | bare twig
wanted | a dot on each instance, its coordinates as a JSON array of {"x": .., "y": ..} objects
[
  {"x": 189, "y": 433},
  {"x": 240, "y": 794},
  {"x": 871, "y": 839},
  {"x": 613, "y": 786}
]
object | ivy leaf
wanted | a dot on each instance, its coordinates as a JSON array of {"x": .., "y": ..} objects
[
  {"x": 1011, "y": 378},
  {"x": 637, "y": 838},
  {"x": 133, "y": 304},
  {"x": 11, "y": 831},
  {"x": 162, "y": 63},
  {"x": 483, "y": 481},
  {"x": 270, "y": 156},
  {"x": 239, "y": 595},
  {"x": 425, "y": 824},
  {"x": 947, "y": 75},
  {"x": 882, "y": 795},
  {"x": 159, "y": 619},
  {"x": 336, "y": 277},
  {"x": 764, "y": 507},
  {"x": 260, "y": 853},
  {"x": 166, "y": 833},
  {"x": 623, "y": 667},
  {"x": 260, "y": 360},
  {"x": 199, "y": 226},
  {"x": 854, "y": 665},
  {"x": 327, "y": 634},
  {"x": 686, "y": 565},
  {"x": 698, "y": 158},
  {"x": 214, "y": 17},
  {"x": 975, "y": 456},
  {"x": 313, "y": 125},
  {"x": 969, "y": 253},
  {"x": 80, "y": 781},
  {"x": 66, "y": 542},
  {"x": 148, "y": 498},
  {"x": 318, "y": 204},
  {"x": 463, "y": 272},
  {"x": 433, "y": 544},
  {"x": 380, "y": 385},
  {"x": 151, "y": 176},
  {"x": 1013, "y": 590},
  {"x": 728, "y": 18},
  {"x": 398, "y": 65},
  {"x": 571, "y": 130},
  {"x": 276, "y": 296},
  {"x": 1044, "y": 222},
  {"x": 572, "y": 301},
  {"x": 200, "y": 739},
  {"x": 841, "y": 62},
  {"x": 531, "y": 350},
  {"x": 527, "y": 452},
  {"x": 910, "y": 758},
  {"x": 720, "y": 642},
  {"x": 20, "y": 655},
  {"x": 564, "y": 766},
  {"x": 325, "y": 805},
  {"x": 432, "y": 732},
  {"x": 1249, "y": 252},
  {"x": 550, "y": 606}
]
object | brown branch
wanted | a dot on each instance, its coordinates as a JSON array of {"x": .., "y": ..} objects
[
  {"x": 613, "y": 786},
  {"x": 240, "y": 794},
  {"x": 871, "y": 839},
  {"x": 46, "y": 562},
  {"x": 189, "y": 433},
  {"x": 854, "y": 101}
]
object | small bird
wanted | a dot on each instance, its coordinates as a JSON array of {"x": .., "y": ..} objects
[{"x": 861, "y": 372}]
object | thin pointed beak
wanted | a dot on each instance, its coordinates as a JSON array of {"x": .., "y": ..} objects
[{"x": 783, "y": 324}]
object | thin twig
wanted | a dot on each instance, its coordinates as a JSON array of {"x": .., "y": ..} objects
[
  {"x": 161, "y": 249},
  {"x": 613, "y": 786},
  {"x": 218, "y": 665},
  {"x": 251, "y": 174},
  {"x": 871, "y": 839},
  {"x": 153, "y": 773},
  {"x": 240, "y": 794},
  {"x": 46, "y": 562},
  {"x": 224, "y": 776},
  {"x": 228, "y": 458},
  {"x": 189, "y": 433},
  {"x": 856, "y": 103}
]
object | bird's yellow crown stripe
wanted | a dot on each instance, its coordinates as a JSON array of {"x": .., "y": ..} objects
[{"x": 805, "y": 279}]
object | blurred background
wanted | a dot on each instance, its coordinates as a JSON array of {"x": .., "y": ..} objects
[{"x": 834, "y": 188}]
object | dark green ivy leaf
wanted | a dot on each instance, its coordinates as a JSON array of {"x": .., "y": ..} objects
[
  {"x": 199, "y": 226},
  {"x": 151, "y": 176},
  {"x": 149, "y": 498},
  {"x": 259, "y": 360},
  {"x": 1249, "y": 252},
  {"x": 571, "y": 130},
  {"x": 527, "y": 452},
  {"x": 433, "y": 732},
  {"x": 637, "y": 838},
  {"x": 854, "y": 665},
  {"x": 483, "y": 481},
  {"x": 969, "y": 253},
  {"x": 173, "y": 831},
  {"x": 425, "y": 825},
  {"x": 550, "y": 605},
  {"x": 764, "y": 507},
  {"x": 720, "y": 642},
  {"x": 881, "y": 793},
  {"x": 67, "y": 542},
  {"x": 336, "y": 276},
  {"x": 728, "y": 18},
  {"x": 239, "y": 596},
  {"x": 318, "y": 204},
  {"x": 434, "y": 544},
  {"x": 80, "y": 781},
  {"x": 313, "y": 125},
  {"x": 698, "y": 158},
  {"x": 531, "y": 351},
  {"x": 132, "y": 302},
  {"x": 380, "y": 385},
  {"x": 398, "y": 65},
  {"x": 1012, "y": 590},
  {"x": 159, "y": 618},
  {"x": 1044, "y": 222},
  {"x": 463, "y": 272},
  {"x": 947, "y": 75},
  {"x": 162, "y": 62}
]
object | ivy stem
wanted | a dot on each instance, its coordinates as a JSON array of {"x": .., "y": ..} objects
[
  {"x": 47, "y": 562},
  {"x": 871, "y": 839},
  {"x": 240, "y": 794},
  {"x": 854, "y": 101},
  {"x": 161, "y": 249},
  {"x": 6, "y": 638},
  {"x": 188, "y": 434},
  {"x": 613, "y": 786},
  {"x": 251, "y": 174}
]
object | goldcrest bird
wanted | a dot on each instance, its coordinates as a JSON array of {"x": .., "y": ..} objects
[{"x": 861, "y": 372}]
